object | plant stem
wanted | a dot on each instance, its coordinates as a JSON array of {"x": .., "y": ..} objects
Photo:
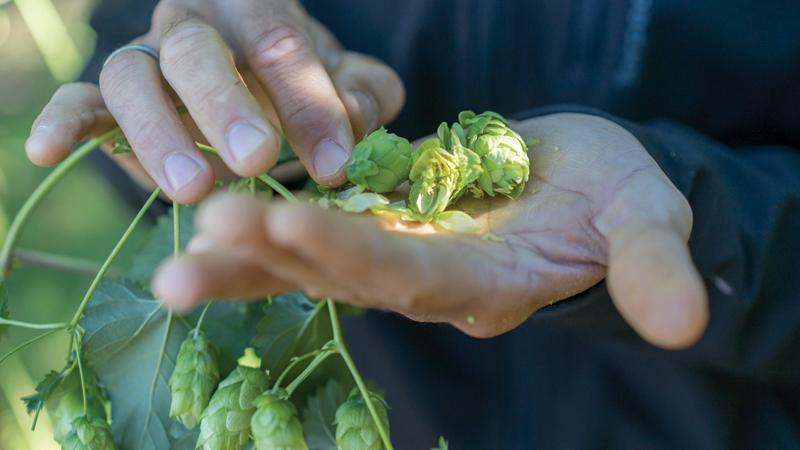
[
  {"x": 202, "y": 316},
  {"x": 291, "y": 365},
  {"x": 80, "y": 369},
  {"x": 36, "y": 197},
  {"x": 25, "y": 344},
  {"x": 61, "y": 263},
  {"x": 101, "y": 273},
  {"x": 273, "y": 183},
  {"x": 365, "y": 394},
  {"x": 34, "y": 326},
  {"x": 308, "y": 370}
]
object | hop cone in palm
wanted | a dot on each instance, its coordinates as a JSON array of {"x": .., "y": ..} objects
[
  {"x": 381, "y": 162},
  {"x": 194, "y": 379},
  {"x": 355, "y": 429},
  {"x": 89, "y": 434},
  {"x": 275, "y": 425},
  {"x": 434, "y": 176},
  {"x": 70, "y": 407},
  {"x": 503, "y": 153},
  {"x": 225, "y": 423}
]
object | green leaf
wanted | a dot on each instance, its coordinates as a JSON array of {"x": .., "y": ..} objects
[
  {"x": 320, "y": 415},
  {"x": 121, "y": 145},
  {"x": 3, "y": 307},
  {"x": 159, "y": 245},
  {"x": 231, "y": 326},
  {"x": 443, "y": 445},
  {"x": 124, "y": 332},
  {"x": 292, "y": 326}
]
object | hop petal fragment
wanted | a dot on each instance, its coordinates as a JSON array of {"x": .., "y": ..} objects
[
  {"x": 457, "y": 221},
  {"x": 195, "y": 376},
  {"x": 355, "y": 428},
  {"x": 381, "y": 162},
  {"x": 225, "y": 423},
  {"x": 89, "y": 434},
  {"x": 275, "y": 425},
  {"x": 503, "y": 153}
]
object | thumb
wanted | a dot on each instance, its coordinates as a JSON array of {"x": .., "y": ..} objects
[{"x": 654, "y": 283}]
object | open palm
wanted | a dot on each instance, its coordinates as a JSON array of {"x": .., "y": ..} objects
[{"x": 596, "y": 206}]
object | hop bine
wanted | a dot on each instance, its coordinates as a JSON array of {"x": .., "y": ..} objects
[
  {"x": 355, "y": 428},
  {"x": 89, "y": 434},
  {"x": 225, "y": 423},
  {"x": 275, "y": 425},
  {"x": 195, "y": 376},
  {"x": 503, "y": 153},
  {"x": 381, "y": 162}
]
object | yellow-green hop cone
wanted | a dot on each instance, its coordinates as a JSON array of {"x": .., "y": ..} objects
[
  {"x": 275, "y": 425},
  {"x": 434, "y": 176},
  {"x": 195, "y": 376},
  {"x": 381, "y": 162},
  {"x": 70, "y": 407},
  {"x": 355, "y": 428},
  {"x": 225, "y": 423},
  {"x": 89, "y": 434},
  {"x": 503, "y": 153}
]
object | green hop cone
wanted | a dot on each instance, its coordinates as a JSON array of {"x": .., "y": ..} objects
[
  {"x": 503, "y": 153},
  {"x": 275, "y": 425},
  {"x": 381, "y": 162},
  {"x": 225, "y": 423},
  {"x": 434, "y": 176},
  {"x": 195, "y": 376},
  {"x": 70, "y": 407},
  {"x": 89, "y": 434},
  {"x": 355, "y": 428}
]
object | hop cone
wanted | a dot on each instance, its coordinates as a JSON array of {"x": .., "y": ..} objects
[
  {"x": 70, "y": 407},
  {"x": 194, "y": 379},
  {"x": 434, "y": 176},
  {"x": 355, "y": 429},
  {"x": 225, "y": 423},
  {"x": 89, "y": 434},
  {"x": 503, "y": 153},
  {"x": 275, "y": 425},
  {"x": 381, "y": 162}
]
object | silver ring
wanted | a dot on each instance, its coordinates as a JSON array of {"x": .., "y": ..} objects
[{"x": 141, "y": 47}]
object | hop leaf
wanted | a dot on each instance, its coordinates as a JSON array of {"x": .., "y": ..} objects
[
  {"x": 195, "y": 376},
  {"x": 89, "y": 434},
  {"x": 381, "y": 162},
  {"x": 443, "y": 445},
  {"x": 503, "y": 153},
  {"x": 70, "y": 407},
  {"x": 225, "y": 423},
  {"x": 355, "y": 428},
  {"x": 275, "y": 425},
  {"x": 121, "y": 145}
]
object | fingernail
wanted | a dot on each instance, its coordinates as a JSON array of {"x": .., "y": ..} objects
[
  {"x": 369, "y": 108},
  {"x": 244, "y": 140},
  {"x": 329, "y": 158},
  {"x": 41, "y": 129},
  {"x": 181, "y": 170}
]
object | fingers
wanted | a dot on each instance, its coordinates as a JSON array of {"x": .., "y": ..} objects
[
  {"x": 197, "y": 64},
  {"x": 654, "y": 283},
  {"x": 75, "y": 112},
  {"x": 133, "y": 91},
  {"x": 312, "y": 116}
]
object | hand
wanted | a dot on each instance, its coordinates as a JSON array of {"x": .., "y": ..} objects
[
  {"x": 596, "y": 206},
  {"x": 298, "y": 77}
]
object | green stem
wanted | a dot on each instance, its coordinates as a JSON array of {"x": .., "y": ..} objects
[
  {"x": 36, "y": 197},
  {"x": 61, "y": 263},
  {"x": 291, "y": 365},
  {"x": 34, "y": 326},
  {"x": 308, "y": 370},
  {"x": 80, "y": 369},
  {"x": 202, "y": 316},
  {"x": 271, "y": 182},
  {"x": 365, "y": 394},
  {"x": 25, "y": 344},
  {"x": 107, "y": 264}
]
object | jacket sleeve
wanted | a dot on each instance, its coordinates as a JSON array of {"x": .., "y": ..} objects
[{"x": 745, "y": 242}]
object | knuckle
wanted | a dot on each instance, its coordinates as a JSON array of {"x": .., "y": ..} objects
[
  {"x": 278, "y": 46},
  {"x": 183, "y": 41}
]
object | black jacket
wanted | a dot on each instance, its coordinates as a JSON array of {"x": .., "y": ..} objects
[{"x": 712, "y": 90}]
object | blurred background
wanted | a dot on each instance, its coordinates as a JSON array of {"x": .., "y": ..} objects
[{"x": 43, "y": 44}]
